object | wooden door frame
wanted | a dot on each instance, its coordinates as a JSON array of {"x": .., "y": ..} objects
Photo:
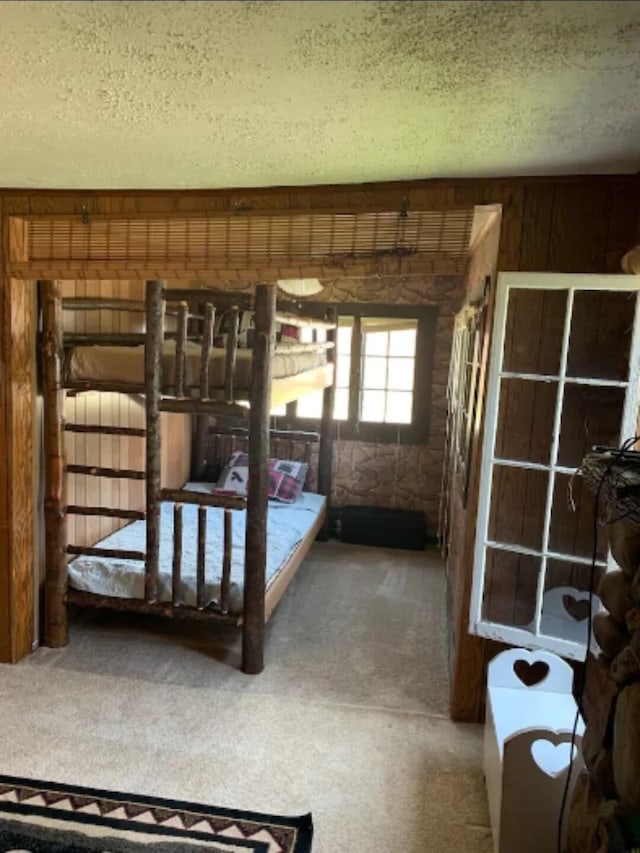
[{"x": 18, "y": 394}]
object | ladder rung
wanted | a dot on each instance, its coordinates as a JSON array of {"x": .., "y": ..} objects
[
  {"x": 123, "y": 473},
  {"x": 106, "y": 430},
  {"x": 183, "y": 496},
  {"x": 110, "y": 339},
  {"x": 113, "y": 553},
  {"x": 105, "y": 385},
  {"x": 107, "y": 512},
  {"x": 198, "y": 406}
]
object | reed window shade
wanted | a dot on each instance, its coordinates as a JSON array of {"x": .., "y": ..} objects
[{"x": 247, "y": 239}]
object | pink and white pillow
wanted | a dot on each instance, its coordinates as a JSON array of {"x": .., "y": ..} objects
[{"x": 286, "y": 478}]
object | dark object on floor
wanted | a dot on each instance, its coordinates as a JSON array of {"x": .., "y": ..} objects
[
  {"x": 374, "y": 525},
  {"x": 45, "y": 817}
]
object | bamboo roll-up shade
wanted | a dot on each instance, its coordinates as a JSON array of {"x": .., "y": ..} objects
[
  {"x": 254, "y": 239},
  {"x": 387, "y": 324}
]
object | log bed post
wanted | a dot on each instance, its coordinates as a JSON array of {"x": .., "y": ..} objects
[
  {"x": 179, "y": 368},
  {"x": 325, "y": 451},
  {"x": 257, "y": 493},
  {"x": 231, "y": 353},
  {"x": 153, "y": 379},
  {"x": 56, "y": 630}
]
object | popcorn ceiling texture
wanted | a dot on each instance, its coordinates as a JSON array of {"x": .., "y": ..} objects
[{"x": 231, "y": 94}]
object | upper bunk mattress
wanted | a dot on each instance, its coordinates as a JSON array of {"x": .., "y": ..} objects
[
  {"x": 126, "y": 364},
  {"x": 287, "y": 525}
]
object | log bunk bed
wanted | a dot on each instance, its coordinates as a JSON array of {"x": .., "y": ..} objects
[{"x": 207, "y": 390}]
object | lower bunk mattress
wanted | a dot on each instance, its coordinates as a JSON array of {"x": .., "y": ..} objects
[{"x": 287, "y": 526}]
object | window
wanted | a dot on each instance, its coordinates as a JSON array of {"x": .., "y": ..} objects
[
  {"x": 388, "y": 368},
  {"x": 463, "y": 378},
  {"x": 383, "y": 374},
  {"x": 563, "y": 377}
]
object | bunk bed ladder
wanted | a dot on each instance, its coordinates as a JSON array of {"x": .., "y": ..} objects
[
  {"x": 57, "y": 547},
  {"x": 104, "y": 511}
]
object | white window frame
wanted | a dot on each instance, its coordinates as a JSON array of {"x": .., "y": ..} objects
[{"x": 506, "y": 282}]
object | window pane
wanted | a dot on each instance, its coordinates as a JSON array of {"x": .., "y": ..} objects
[
  {"x": 279, "y": 411},
  {"x": 373, "y": 406},
  {"x": 403, "y": 341},
  {"x": 341, "y": 407},
  {"x": 590, "y": 415},
  {"x": 510, "y": 588},
  {"x": 343, "y": 343},
  {"x": 376, "y": 343},
  {"x": 534, "y": 330},
  {"x": 601, "y": 334},
  {"x": 310, "y": 406},
  {"x": 400, "y": 374},
  {"x": 343, "y": 368},
  {"x": 375, "y": 373},
  {"x": 571, "y": 527},
  {"x": 565, "y": 603},
  {"x": 518, "y": 503},
  {"x": 399, "y": 407},
  {"x": 525, "y": 420}
]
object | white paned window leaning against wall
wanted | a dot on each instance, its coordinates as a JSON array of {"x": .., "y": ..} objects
[{"x": 563, "y": 378}]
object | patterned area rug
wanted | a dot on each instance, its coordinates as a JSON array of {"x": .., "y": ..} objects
[{"x": 45, "y": 817}]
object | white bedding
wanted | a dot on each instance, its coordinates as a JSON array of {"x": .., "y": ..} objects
[
  {"x": 126, "y": 364},
  {"x": 287, "y": 525}
]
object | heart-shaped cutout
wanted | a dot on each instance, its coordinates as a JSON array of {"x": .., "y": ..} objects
[
  {"x": 531, "y": 674},
  {"x": 552, "y": 758},
  {"x": 578, "y": 608}
]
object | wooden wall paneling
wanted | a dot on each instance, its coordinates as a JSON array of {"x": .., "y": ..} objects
[
  {"x": 536, "y": 235},
  {"x": 511, "y": 226},
  {"x": 18, "y": 357},
  {"x": 624, "y": 224},
  {"x": 579, "y": 229},
  {"x": 5, "y": 525},
  {"x": 341, "y": 197}
]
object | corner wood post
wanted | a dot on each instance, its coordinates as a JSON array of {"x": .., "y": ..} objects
[
  {"x": 56, "y": 629},
  {"x": 258, "y": 489},
  {"x": 325, "y": 451},
  {"x": 152, "y": 379}
]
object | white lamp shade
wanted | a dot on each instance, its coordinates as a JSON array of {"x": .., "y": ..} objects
[{"x": 300, "y": 286}]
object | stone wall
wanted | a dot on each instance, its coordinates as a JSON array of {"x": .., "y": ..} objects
[
  {"x": 400, "y": 475},
  {"x": 607, "y": 791}
]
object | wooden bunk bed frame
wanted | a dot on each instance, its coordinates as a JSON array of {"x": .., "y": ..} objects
[{"x": 259, "y": 602}]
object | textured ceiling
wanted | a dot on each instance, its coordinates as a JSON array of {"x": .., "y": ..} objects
[{"x": 231, "y": 94}]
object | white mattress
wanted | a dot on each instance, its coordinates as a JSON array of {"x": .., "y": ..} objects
[
  {"x": 126, "y": 364},
  {"x": 287, "y": 524}
]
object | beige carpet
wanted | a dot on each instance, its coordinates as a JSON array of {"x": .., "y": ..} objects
[{"x": 348, "y": 720}]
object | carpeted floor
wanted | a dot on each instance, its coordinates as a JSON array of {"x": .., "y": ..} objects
[{"x": 348, "y": 720}]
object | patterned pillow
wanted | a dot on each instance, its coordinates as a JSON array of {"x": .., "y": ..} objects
[
  {"x": 235, "y": 475},
  {"x": 286, "y": 478}
]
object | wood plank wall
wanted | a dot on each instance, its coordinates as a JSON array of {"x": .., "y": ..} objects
[
  {"x": 579, "y": 224},
  {"x": 553, "y": 226}
]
